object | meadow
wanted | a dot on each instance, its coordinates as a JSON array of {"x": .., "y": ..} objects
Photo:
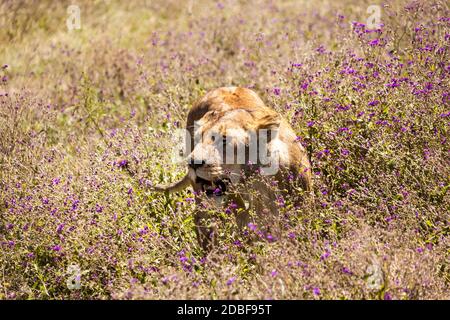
[{"x": 371, "y": 106}]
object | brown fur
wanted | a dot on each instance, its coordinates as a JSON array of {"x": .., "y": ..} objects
[{"x": 248, "y": 112}]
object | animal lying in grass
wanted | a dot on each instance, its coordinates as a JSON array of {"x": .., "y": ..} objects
[{"x": 231, "y": 135}]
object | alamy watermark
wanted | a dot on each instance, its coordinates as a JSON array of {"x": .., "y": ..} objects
[
  {"x": 74, "y": 277},
  {"x": 73, "y": 21},
  {"x": 373, "y": 22}
]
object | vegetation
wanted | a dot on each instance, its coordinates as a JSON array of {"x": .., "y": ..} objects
[{"x": 370, "y": 105}]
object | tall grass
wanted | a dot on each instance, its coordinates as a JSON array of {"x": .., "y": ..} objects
[{"x": 371, "y": 106}]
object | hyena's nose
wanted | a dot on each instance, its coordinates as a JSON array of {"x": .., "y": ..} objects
[{"x": 195, "y": 163}]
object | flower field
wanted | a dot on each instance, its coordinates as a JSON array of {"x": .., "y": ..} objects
[{"x": 371, "y": 104}]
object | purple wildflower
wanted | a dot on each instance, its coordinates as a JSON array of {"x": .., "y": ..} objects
[
  {"x": 122, "y": 163},
  {"x": 374, "y": 42},
  {"x": 325, "y": 255},
  {"x": 237, "y": 243},
  {"x": 346, "y": 271},
  {"x": 280, "y": 201},
  {"x": 393, "y": 84},
  {"x": 270, "y": 238},
  {"x": 316, "y": 291},
  {"x": 252, "y": 226},
  {"x": 60, "y": 228},
  {"x": 230, "y": 281}
]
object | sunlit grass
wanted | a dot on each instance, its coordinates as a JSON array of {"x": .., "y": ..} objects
[{"x": 370, "y": 107}]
